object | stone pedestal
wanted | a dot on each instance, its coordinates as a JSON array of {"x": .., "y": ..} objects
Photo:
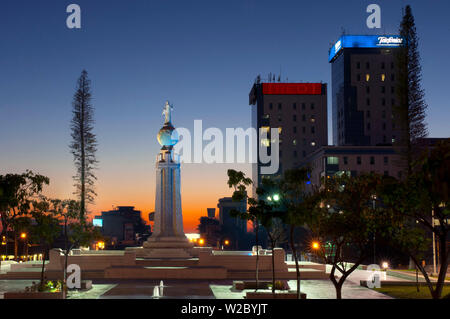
[{"x": 168, "y": 239}]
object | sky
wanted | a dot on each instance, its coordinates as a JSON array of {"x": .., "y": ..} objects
[{"x": 202, "y": 56}]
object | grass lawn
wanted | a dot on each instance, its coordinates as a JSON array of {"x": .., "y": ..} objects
[{"x": 410, "y": 292}]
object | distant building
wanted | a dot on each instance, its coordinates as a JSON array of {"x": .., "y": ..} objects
[
  {"x": 211, "y": 212},
  {"x": 124, "y": 227},
  {"x": 233, "y": 228},
  {"x": 354, "y": 160}
]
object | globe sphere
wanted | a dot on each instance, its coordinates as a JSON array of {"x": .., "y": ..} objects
[{"x": 167, "y": 136}]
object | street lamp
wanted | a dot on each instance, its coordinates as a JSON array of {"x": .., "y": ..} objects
[{"x": 315, "y": 245}]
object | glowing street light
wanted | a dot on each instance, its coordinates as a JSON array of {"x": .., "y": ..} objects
[
  {"x": 226, "y": 242},
  {"x": 276, "y": 197},
  {"x": 385, "y": 265},
  {"x": 201, "y": 241},
  {"x": 23, "y": 235},
  {"x": 315, "y": 245}
]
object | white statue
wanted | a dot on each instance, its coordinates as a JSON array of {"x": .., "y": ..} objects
[{"x": 167, "y": 112}]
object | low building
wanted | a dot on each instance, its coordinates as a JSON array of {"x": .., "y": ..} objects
[
  {"x": 334, "y": 160},
  {"x": 124, "y": 227}
]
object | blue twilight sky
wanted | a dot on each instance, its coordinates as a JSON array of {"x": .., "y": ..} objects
[{"x": 201, "y": 55}]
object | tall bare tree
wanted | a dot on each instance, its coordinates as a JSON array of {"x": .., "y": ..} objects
[
  {"x": 84, "y": 143},
  {"x": 410, "y": 110}
]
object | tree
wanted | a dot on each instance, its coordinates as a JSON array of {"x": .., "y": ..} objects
[
  {"x": 297, "y": 207},
  {"x": 17, "y": 192},
  {"x": 76, "y": 232},
  {"x": 420, "y": 205},
  {"x": 410, "y": 110},
  {"x": 45, "y": 230},
  {"x": 240, "y": 182},
  {"x": 344, "y": 217},
  {"x": 84, "y": 143},
  {"x": 261, "y": 210}
]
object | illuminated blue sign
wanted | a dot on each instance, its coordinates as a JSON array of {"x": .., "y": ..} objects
[
  {"x": 98, "y": 222},
  {"x": 365, "y": 41}
]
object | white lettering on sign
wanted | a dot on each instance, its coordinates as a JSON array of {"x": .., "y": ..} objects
[{"x": 389, "y": 41}]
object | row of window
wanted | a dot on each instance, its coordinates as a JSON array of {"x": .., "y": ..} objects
[
  {"x": 332, "y": 160},
  {"x": 383, "y": 102},
  {"x": 382, "y": 89},
  {"x": 312, "y": 118},
  {"x": 294, "y": 106},
  {"x": 382, "y": 77},
  {"x": 367, "y": 65}
]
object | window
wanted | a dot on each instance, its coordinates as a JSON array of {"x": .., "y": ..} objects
[
  {"x": 383, "y": 89},
  {"x": 382, "y": 65},
  {"x": 294, "y": 106},
  {"x": 386, "y": 173},
  {"x": 386, "y": 160},
  {"x": 280, "y": 129},
  {"x": 358, "y": 160},
  {"x": 384, "y": 126},
  {"x": 392, "y": 77},
  {"x": 368, "y": 126},
  {"x": 304, "y": 153},
  {"x": 265, "y": 142},
  {"x": 295, "y": 129},
  {"x": 265, "y": 129},
  {"x": 303, "y": 129},
  {"x": 295, "y": 153},
  {"x": 383, "y": 102},
  {"x": 294, "y": 118},
  {"x": 383, "y": 114},
  {"x": 358, "y": 77},
  {"x": 294, "y": 142},
  {"x": 313, "y": 130},
  {"x": 279, "y": 118},
  {"x": 333, "y": 160},
  {"x": 312, "y": 106},
  {"x": 303, "y": 106},
  {"x": 372, "y": 160},
  {"x": 266, "y": 116},
  {"x": 358, "y": 65},
  {"x": 303, "y": 117},
  {"x": 367, "y": 65},
  {"x": 368, "y": 101},
  {"x": 383, "y": 77},
  {"x": 392, "y": 65},
  {"x": 367, "y": 89},
  {"x": 279, "y": 106},
  {"x": 367, "y": 77},
  {"x": 345, "y": 160},
  {"x": 392, "y": 89},
  {"x": 368, "y": 113},
  {"x": 271, "y": 106},
  {"x": 312, "y": 119}
]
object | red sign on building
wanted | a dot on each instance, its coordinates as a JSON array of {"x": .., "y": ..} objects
[{"x": 292, "y": 88}]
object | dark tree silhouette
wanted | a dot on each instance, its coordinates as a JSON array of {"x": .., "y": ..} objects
[
  {"x": 410, "y": 110},
  {"x": 84, "y": 143}
]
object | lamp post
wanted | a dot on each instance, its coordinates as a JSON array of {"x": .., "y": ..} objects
[{"x": 374, "y": 197}]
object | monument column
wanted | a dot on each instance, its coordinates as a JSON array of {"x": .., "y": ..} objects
[{"x": 168, "y": 239}]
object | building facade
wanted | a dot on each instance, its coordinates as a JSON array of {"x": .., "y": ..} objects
[
  {"x": 364, "y": 89},
  {"x": 329, "y": 161},
  {"x": 299, "y": 111},
  {"x": 124, "y": 226}
]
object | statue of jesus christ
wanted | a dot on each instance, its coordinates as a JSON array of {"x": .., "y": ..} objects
[{"x": 167, "y": 112}]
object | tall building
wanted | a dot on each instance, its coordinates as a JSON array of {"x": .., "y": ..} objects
[
  {"x": 364, "y": 89},
  {"x": 299, "y": 111}
]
